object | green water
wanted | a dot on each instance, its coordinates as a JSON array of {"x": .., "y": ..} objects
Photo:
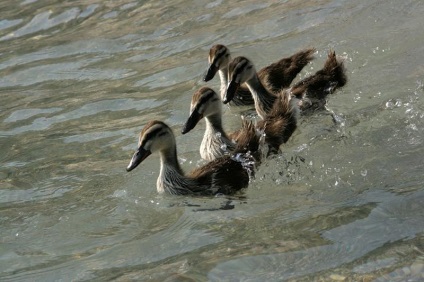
[{"x": 79, "y": 80}]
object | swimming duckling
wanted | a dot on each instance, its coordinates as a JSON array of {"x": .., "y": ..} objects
[
  {"x": 224, "y": 175},
  {"x": 312, "y": 91},
  {"x": 275, "y": 77},
  {"x": 331, "y": 77},
  {"x": 277, "y": 127},
  {"x": 205, "y": 103}
]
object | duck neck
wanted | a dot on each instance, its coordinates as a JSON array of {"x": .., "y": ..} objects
[
  {"x": 263, "y": 99},
  {"x": 223, "y": 75},
  {"x": 215, "y": 142},
  {"x": 171, "y": 173}
]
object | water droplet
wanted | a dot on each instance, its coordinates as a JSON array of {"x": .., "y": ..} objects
[
  {"x": 390, "y": 105},
  {"x": 120, "y": 193},
  {"x": 364, "y": 172}
]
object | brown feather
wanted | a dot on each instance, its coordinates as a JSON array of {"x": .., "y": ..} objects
[
  {"x": 226, "y": 175},
  {"x": 275, "y": 77},
  {"x": 279, "y": 124},
  {"x": 279, "y": 75},
  {"x": 325, "y": 81}
]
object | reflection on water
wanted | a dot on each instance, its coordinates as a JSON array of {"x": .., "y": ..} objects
[{"x": 78, "y": 80}]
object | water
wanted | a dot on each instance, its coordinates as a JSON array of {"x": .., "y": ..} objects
[{"x": 79, "y": 79}]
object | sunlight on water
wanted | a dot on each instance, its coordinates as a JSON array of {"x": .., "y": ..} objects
[{"x": 342, "y": 201}]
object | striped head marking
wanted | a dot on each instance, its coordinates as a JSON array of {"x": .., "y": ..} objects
[
  {"x": 155, "y": 136},
  {"x": 219, "y": 57},
  {"x": 240, "y": 70},
  {"x": 203, "y": 99},
  {"x": 205, "y": 102}
]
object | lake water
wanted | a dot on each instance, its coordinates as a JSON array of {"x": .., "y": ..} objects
[{"x": 80, "y": 79}]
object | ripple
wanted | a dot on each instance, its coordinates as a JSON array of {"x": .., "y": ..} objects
[
  {"x": 27, "y": 113},
  {"x": 350, "y": 242},
  {"x": 42, "y": 22},
  {"x": 4, "y": 24},
  {"x": 171, "y": 77},
  {"x": 93, "y": 136},
  {"x": 44, "y": 123},
  {"x": 88, "y": 11},
  {"x": 53, "y": 188},
  {"x": 244, "y": 10},
  {"x": 94, "y": 46},
  {"x": 62, "y": 71}
]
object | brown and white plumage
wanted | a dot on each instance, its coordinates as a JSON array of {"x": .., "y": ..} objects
[
  {"x": 312, "y": 91},
  {"x": 241, "y": 70},
  {"x": 277, "y": 127},
  {"x": 224, "y": 175},
  {"x": 275, "y": 77},
  {"x": 331, "y": 77},
  {"x": 205, "y": 103},
  {"x": 280, "y": 122}
]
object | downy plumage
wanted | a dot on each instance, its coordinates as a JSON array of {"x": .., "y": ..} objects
[
  {"x": 310, "y": 91},
  {"x": 277, "y": 127},
  {"x": 225, "y": 175},
  {"x": 275, "y": 77}
]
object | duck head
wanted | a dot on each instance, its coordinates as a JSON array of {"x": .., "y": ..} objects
[
  {"x": 155, "y": 136},
  {"x": 219, "y": 58},
  {"x": 240, "y": 70},
  {"x": 204, "y": 103}
]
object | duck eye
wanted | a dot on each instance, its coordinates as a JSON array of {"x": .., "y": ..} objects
[
  {"x": 161, "y": 134},
  {"x": 249, "y": 67}
]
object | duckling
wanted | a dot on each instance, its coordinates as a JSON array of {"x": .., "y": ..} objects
[
  {"x": 331, "y": 77},
  {"x": 275, "y": 77},
  {"x": 216, "y": 142},
  {"x": 278, "y": 126},
  {"x": 280, "y": 123},
  {"x": 312, "y": 91},
  {"x": 225, "y": 175}
]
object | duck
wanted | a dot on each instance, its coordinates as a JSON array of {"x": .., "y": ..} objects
[
  {"x": 205, "y": 103},
  {"x": 325, "y": 81},
  {"x": 312, "y": 91},
  {"x": 224, "y": 175},
  {"x": 275, "y": 77},
  {"x": 277, "y": 127}
]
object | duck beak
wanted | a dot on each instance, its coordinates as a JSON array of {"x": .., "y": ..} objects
[
  {"x": 140, "y": 155},
  {"x": 231, "y": 91},
  {"x": 191, "y": 122},
  {"x": 210, "y": 73}
]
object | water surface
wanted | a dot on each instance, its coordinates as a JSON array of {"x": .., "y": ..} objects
[{"x": 79, "y": 79}]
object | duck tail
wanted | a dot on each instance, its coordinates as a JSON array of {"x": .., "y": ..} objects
[
  {"x": 335, "y": 69},
  {"x": 280, "y": 123},
  {"x": 247, "y": 139},
  {"x": 303, "y": 57},
  {"x": 295, "y": 64},
  {"x": 290, "y": 114},
  {"x": 325, "y": 81}
]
